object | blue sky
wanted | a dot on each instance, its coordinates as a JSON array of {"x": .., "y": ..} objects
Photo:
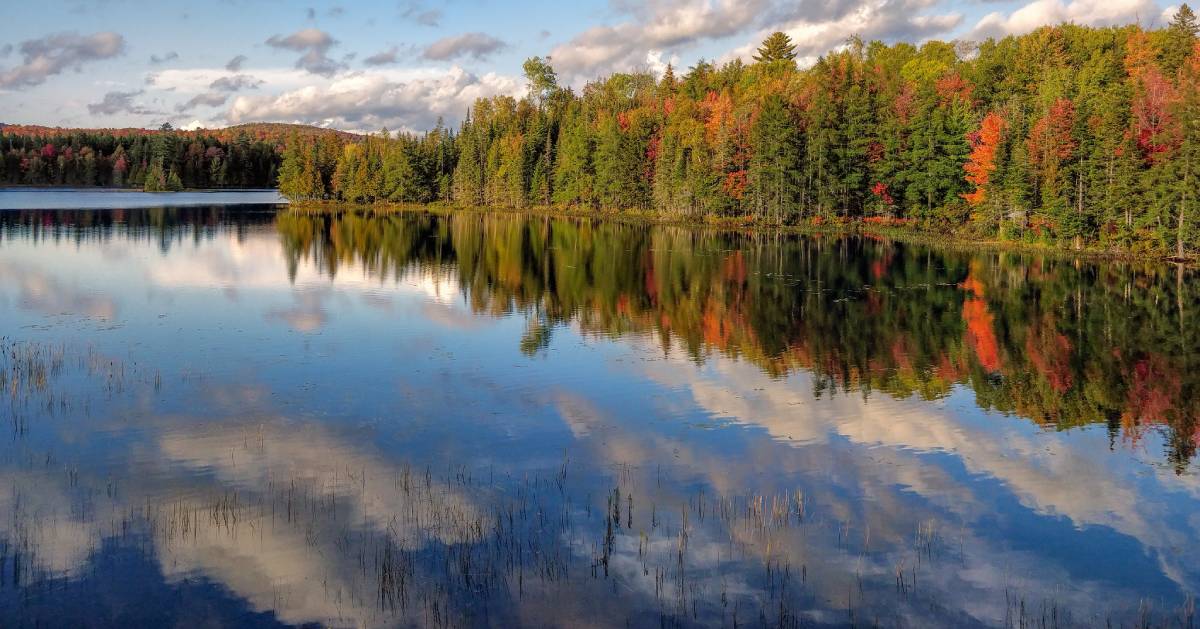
[{"x": 404, "y": 63}]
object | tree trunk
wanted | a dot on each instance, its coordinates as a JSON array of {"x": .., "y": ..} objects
[
  {"x": 1183, "y": 203},
  {"x": 1179, "y": 230}
]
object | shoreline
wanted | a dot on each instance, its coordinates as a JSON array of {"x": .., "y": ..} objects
[{"x": 859, "y": 227}]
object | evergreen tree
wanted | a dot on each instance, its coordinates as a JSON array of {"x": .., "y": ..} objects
[
  {"x": 1180, "y": 38},
  {"x": 1187, "y": 160},
  {"x": 776, "y": 47},
  {"x": 775, "y": 167},
  {"x": 156, "y": 179}
]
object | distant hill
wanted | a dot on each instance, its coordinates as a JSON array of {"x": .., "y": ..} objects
[
  {"x": 273, "y": 132},
  {"x": 278, "y": 131}
]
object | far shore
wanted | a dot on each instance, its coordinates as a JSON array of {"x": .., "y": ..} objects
[{"x": 881, "y": 228}]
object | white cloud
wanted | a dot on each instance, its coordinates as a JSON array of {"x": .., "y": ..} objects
[
  {"x": 658, "y": 65},
  {"x": 50, "y": 55},
  {"x": 477, "y": 46},
  {"x": 888, "y": 20},
  {"x": 410, "y": 99},
  {"x": 1043, "y": 12},
  {"x": 663, "y": 27},
  {"x": 315, "y": 45},
  {"x": 657, "y": 25}
]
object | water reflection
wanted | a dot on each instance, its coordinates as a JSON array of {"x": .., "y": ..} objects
[
  {"x": 361, "y": 420},
  {"x": 1057, "y": 341}
]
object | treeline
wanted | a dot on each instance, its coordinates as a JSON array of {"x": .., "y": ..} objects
[
  {"x": 161, "y": 160},
  {"x": 1067, "y": 135}
]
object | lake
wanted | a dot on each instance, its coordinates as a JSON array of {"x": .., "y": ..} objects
[
  {"x": 244, "y": 414},
  {"x": 118, "y": 199}
]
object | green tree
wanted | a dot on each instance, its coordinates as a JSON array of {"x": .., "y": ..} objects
[
  {"x": 776, "y": 47},
  {"x": 775, "y": 165}
]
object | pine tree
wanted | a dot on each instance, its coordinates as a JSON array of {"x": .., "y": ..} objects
[
  {"x": 776, "y": 47},
  {"x": 775, "y": 165},
  {"x": 156, "y": 179},
  {"x": 292, "y": 184},
  {"x": 1181, "y": 37},
  {"x": 573, "y": 173},
  {"x": 173, "y": 182},
  {"x": 1187, "y": 158}
]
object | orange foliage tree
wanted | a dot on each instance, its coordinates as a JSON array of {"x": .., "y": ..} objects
[{"x": 982, "y": 161}]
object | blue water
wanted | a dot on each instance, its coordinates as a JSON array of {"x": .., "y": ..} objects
[{"x": 245, "y": 415}]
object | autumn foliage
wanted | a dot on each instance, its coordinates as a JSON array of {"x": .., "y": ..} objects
[{"x": 982, "y": 161}]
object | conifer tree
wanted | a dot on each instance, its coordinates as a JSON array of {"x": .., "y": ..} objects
[
  {"x": 777, "y": 46},
  {"x": 775, "y": 166}
]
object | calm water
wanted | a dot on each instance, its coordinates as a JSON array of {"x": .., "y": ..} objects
[
  {"x": 99, "y": 198},
  {"x": 250, "y": 416}
]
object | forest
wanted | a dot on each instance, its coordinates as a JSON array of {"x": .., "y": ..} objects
[
  {"x": 162, "y": 159},
  {"x": 1069, "y": 136}
]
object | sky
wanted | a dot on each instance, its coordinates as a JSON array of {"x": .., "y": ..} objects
[{"x": 403, "y": 64}]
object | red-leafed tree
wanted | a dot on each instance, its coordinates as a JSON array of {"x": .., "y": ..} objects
[
  {"x": 982, "y": 161},
  {"x": 1153, "y": 98},
  {"x": 1050, "y": 145}
]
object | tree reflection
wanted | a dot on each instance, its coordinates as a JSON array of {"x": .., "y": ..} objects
[{"x": 1059, "y": 341}]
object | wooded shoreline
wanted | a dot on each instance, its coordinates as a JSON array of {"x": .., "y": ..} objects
[
  {"x": 913, "y": 235},
  {"x": 1078, "y": 138}
]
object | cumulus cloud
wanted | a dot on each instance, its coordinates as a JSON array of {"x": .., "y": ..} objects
[
  {"x": 52, "y": 54},
  {"x": 235, "y": 83},
  {"x": 1042, "y": 12},
  {"x": 169, "y": 56},
  {"x": 315, "y": 45},
  {"x": 658, "y": 25},
  {"x": 118, "y": 103},
  {"x": 382, "y": 58},
  {"x": 664, "y": 28},
  {"x": 657, "y": 64},
  {"x": 828, "y": 25},
  {"x": 475, "y": 45},
  {"x": 235, "y": 64},
  {"x": 412, "y": 100}
]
